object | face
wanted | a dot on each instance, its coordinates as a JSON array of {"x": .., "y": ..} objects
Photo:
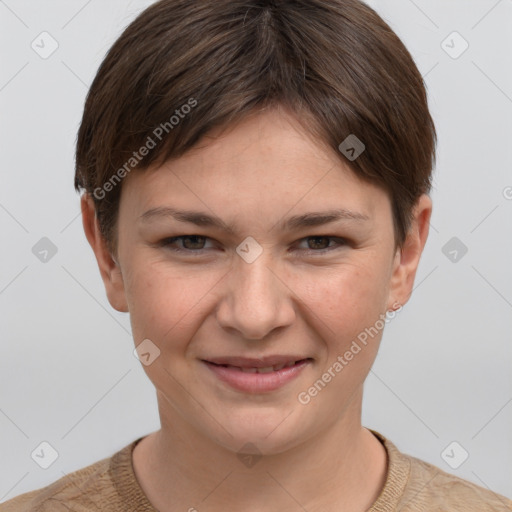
[{"x": 287, "y": 260}]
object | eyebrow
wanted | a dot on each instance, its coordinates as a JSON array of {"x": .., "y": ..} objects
[{"x": 292, "y": 223}]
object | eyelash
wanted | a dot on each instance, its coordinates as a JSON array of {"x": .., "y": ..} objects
[{"x": 198, "y": 252}]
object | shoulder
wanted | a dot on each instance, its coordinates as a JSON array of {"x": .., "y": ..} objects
[
  {"x": 413, "y": 485},
  {"x": 87, "y": 489},
  {"x": 429, "y": 488}
]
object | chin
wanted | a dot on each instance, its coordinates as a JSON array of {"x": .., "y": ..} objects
[{"x": 271, "y": 430}]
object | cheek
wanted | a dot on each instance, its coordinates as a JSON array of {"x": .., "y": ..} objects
[
  {"x": 344, "y": 302},
  {"x": 164, "y": 302}
]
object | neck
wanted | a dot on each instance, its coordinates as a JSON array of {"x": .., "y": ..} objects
[{"x": 341, "y": 468}]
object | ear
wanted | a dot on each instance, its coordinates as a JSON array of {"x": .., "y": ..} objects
[
  {"x": 408, "y": 257},
  {"x": 110, "y": 270}
]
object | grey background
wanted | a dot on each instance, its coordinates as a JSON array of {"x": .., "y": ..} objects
[{"x": 67, "y": 372}]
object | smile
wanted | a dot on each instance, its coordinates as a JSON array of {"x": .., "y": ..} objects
[
  {"x": 267, "y": 369},
  {"x": 258, "y": 379}
]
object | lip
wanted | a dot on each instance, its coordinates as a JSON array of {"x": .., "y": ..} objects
[
  {"x": 255, "y": 362},
  {"x": 233, "y": 375}
]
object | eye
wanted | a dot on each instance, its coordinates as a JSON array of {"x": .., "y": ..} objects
[
  {"x": 190, "y": 243},
  {"x": 195, "y": 244},
  {"x": 320, "y": 243}
]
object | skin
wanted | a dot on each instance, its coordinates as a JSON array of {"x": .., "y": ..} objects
[{"x": 288, "y": 301}]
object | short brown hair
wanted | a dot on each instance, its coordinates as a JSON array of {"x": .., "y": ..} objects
[{"x": 334, "y": 63}]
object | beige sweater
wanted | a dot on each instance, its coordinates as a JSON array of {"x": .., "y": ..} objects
[{"x": 109, "y": 485}]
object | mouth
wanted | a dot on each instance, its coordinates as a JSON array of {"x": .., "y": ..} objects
[
  {"x": 257, "y": 375},
  {"x": 260, "y": 369}
]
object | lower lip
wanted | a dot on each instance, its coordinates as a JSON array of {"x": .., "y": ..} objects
[{"x": 257, "y": 382}]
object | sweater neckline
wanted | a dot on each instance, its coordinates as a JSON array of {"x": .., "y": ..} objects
[
  {"x": 397, "y": 476},
  {"x": 122, "y": 473},
  {"x": 132, "y": 496}
]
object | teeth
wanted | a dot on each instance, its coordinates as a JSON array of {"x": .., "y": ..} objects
[
  {"x": 247, "y": 370},
  {"x": 267, "y": 369}
]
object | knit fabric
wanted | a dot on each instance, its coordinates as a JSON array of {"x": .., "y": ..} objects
[{"x": 110, "y": 485}]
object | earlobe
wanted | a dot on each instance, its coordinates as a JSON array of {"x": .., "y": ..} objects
[
  {"x": 407, "y": 258},
  {"x": 109, "y": 268}
]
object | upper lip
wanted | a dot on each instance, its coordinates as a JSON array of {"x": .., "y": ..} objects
[{"x": 260, "y": 362}]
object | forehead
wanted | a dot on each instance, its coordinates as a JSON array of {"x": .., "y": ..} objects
[{"x": 264, "y": 163}]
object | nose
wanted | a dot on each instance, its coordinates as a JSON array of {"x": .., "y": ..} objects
[{"x": 256, "y": 300}]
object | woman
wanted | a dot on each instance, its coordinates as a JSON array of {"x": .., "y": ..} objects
[{"x": 256, "y": 180}]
